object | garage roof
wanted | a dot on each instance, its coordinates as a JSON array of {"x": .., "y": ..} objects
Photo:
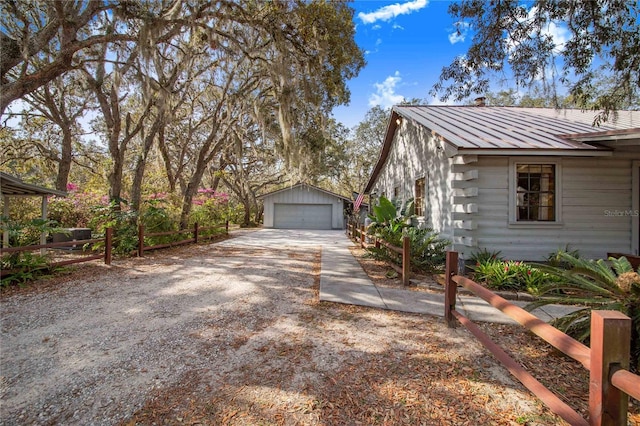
[
  {"x": 11, "y": 185},
  {"x": 307, "y": 186}
]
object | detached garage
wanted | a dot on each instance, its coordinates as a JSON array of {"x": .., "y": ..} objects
[{"x": 304, "y": 206}]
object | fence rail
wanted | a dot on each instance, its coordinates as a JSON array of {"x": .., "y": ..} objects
[
  {"x": 106, "y": 255},
  {"x": 610, "y": 384},
  {"x": 197, "y": 233},
  {"x": 359, "y": 234}
]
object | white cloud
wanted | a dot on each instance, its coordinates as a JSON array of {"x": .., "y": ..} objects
[
  {"x": 389, "y": 12},
  {"x": 558, "y": 32},
  {"x": 560, "y": 35},
  {"x": 386, "y": 95},
  {"x": 460, "y": 34}
]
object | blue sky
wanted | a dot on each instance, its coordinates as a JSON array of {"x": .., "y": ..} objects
[{"x": 406, "y": 44}]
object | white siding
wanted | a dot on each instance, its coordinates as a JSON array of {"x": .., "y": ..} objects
[
  {"x": 468, "y": 200},
  {"x": 304, "y": 195},
  {"x": 590, "y": 187},
  {"x": 415, "y": 154}
]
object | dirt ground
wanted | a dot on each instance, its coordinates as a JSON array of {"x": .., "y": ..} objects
[{"x": 211, "y": 334}]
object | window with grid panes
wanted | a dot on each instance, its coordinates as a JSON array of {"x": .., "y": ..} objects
[{"x": 536, "y": 192}]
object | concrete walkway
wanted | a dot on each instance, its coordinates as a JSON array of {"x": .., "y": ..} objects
[{"x": 342, "y": 279}]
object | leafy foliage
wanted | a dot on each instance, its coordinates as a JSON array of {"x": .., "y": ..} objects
[
  {"x": 73, "y": 211},
  {"x": 427, "y": 249},
  {"x": 29, "y": 232},
  {"x": 556, "y": 258},
  {"x": 594, "y": 284},
  {"x": 123, "y": 222},
  {"x": 484, "y": 255},
  {"x": 27, "y": 265},
  {"x": 384, "y": 211},
  {"x": 499, "y": 274},
  {"x": 516, "y": 36}
]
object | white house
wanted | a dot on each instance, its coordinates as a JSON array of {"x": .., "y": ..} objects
[
  {"x": 304, "y": 206},
  {"x": 523, "y": 181}
]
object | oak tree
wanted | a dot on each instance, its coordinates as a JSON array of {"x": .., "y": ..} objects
[{"x": 516, "y": 38}]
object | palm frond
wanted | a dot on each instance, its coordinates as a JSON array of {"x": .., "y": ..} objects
[
  {"x": 570, "y": 280},
  {"x": 621, "y": 265},
  {"x": 576, "y": 323}
]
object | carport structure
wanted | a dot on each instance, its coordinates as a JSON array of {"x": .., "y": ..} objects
[
  {"x": 304, "y": 206},
  {"x": 11, "y": 186}
]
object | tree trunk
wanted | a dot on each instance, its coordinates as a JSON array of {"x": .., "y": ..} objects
[
  {"x": 246, "y": 221},
  {"x": 189, "y": 193},
  {"x": 64, "y": 165},
  {"x": 258, "y": 216},
  {"x": 141, "y": 163}
]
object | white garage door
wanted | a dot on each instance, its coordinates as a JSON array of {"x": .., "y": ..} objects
[{"x": 302, "y": 216}]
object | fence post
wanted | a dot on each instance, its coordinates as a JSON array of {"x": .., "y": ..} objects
[
  {"x": 195, "y": 232},
  {"x": 610, "y": 348},
  {"x": 108, "y": 240},
  {"x": 362, "y": 236},
  {"x": 226, "y": 227},
  {"x": 140, "y": 240},
  {"x": 451, "y": 287},
  {"x": 406, "y": 260}
]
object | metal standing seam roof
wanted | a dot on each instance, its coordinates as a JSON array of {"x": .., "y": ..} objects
[
  {"x": 11, "y": 185},
  {"x": 511, "y": 129},
  {"x": 467, "y": 127}
]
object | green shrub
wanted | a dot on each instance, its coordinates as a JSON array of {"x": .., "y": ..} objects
[
  {"x": 27, "y": 266},
  {"x": 212, "y": 213},
  {"x": 593, "y": 284},
  {"x": 73, "y": 211},
  {"x": 556, "y": 258},
  {"x": 498, "y": 274},
  {"x": 123, "y": 223},
  {"x": 485, "y": 255},
  {"x": 427, "y": 248},
  {"x": 27, "y": 233},
  {"x": 156, "y": 217}
]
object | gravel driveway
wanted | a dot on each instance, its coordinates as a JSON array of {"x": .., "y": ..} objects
[{"x": 230, "y": 333}]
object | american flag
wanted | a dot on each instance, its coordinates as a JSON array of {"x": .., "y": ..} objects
[{"x": 356, "y": 205}]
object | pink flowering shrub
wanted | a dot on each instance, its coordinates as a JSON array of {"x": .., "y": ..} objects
[
  {"x": 210, "y": 207},
  {"x": 74, "y": 210}
]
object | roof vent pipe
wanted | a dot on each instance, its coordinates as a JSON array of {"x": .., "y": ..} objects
[{"x": 481, "y": 101}]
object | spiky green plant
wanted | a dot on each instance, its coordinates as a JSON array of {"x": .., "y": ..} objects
[
  {"x": 594, "y": 285},
  {"x": 391, "y": 225}
]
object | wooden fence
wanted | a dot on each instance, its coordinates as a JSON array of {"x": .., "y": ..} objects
[
  {"x": 197, "y": 233},
  {"x": 610, "y": 383},
  {"x": 359, "y": 234},
  {"x": 106, "y": 253}
]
